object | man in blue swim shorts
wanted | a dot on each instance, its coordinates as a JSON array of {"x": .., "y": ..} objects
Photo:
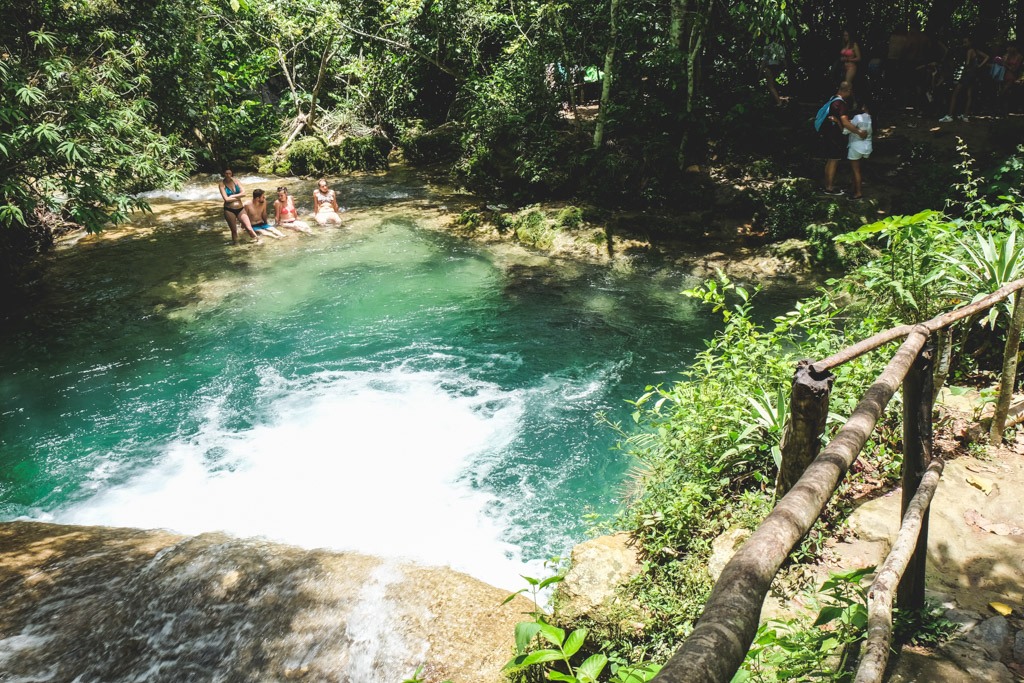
[{"x": 256, "y": 210}]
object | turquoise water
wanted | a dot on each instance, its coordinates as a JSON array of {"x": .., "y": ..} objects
[{"x": 379, "y": 387}]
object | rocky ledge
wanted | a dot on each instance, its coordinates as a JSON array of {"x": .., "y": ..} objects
[{"x": 96, "y": 603}]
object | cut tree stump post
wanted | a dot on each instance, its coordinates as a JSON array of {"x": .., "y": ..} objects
[
  {"x": 917, "y": 454},
  {"x": 801, "y": 437}
]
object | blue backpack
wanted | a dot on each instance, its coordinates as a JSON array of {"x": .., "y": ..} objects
[{"x": 822, "y": 114}]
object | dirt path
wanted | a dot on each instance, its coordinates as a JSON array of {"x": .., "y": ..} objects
[{"x": 975, "y": 558}]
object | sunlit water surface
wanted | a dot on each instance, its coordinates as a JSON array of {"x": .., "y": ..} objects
[{"x": 378, "y": 387}]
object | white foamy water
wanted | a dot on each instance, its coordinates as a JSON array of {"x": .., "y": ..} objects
[
  {"x": 372, "y": 462},
  {"x": 206, "y": 188}
]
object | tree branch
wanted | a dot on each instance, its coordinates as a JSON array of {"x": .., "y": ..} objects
[{"x": 408, "y": 48}]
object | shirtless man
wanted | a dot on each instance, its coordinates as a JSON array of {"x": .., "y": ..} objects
[
  {"x": 285, "y": 214},
  {"x": 256, "y": 210}
]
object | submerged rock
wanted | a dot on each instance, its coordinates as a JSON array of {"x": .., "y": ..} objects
[{"x": 96, "y": 603}]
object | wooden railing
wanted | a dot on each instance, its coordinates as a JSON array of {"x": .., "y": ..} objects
[{"x": 719, "y": 642}]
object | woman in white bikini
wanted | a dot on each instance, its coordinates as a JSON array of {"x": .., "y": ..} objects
[{"x": 325, "y": 204}]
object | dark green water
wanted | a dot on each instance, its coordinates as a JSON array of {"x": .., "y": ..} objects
[{"x": 379, "y": 387}]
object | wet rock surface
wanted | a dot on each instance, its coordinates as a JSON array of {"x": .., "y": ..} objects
[{"x": 96, "y": 603}]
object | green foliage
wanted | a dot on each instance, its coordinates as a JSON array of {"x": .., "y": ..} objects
[
  {"x": 1009, "y": 176},
  {"x": 541, "y": 645},
  {"x": 250, "y": 126},
  {"x": 562, "y": 652},
  {"x": 907, "y": 272},
  {"x": 534, "y": 229},
  {"x": 308, "y": 157},
  {"x": 441, "y": 144},
  {"x": 788, "y": 206},
  {"x": 983, "y": 264},
  {"x": 469, "y": 219},
  {"x": 417, "y": 677},
  {"x": 76, "y": 142},
  {"x": 708, "y": 447},
  {"x": 821, "y": 240},
  {"x": 570, "y": 218},
  {"x": 363, "y": 153},
  {"x": 927, "y": 627},
  {"x": 787, "y": 651}
]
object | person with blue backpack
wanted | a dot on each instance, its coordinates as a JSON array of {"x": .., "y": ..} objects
[{"x": 831, "y": 120}]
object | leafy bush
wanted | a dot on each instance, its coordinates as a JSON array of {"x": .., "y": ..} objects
[
  {"x": 788, "y": 206},
  {"x": 250, "y": 126},
  {"x": 308, "y": 157},
  {"x": 362, "y": 153},
  {"x": 534, "y": 229},
  {"x": 76, "y": 139},
  {"x": 707, "y": 450},
  {"x": 571, "y": 217},
  {"x": 469, "y": 219},
  {"x": 786, "y": 651},
  {"x": 821, "y": 240},
  {"x": 441, "y": 144}
]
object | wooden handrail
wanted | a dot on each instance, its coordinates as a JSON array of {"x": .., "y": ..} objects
[
  {"x": 936, "y": 323},
  {"x": 719, "y": 642},
  {"x": 875, "y": 654}
]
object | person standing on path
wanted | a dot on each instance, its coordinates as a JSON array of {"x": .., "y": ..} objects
[
  {"x": 832, "y": 128},
  {"x": 849, "y": 56},
  {"x": 860, "y": 148},
  {"x": 974, "y": 60}
]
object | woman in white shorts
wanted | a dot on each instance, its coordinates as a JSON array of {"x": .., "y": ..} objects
[{"x": 859, "y": 149}]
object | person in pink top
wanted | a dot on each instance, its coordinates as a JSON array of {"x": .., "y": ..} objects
[
  {"x": 285, "y": 215},
  {"x": 849, "y": 55}
]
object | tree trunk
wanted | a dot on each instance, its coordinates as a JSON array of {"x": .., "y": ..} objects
[
  {"x": 688, "y": 25},
  {"x": 320, "y": 76},
  {"x": 987, "y": 30},
  {"x": 801, "y": 437},
  {"x": 300, "y": 116},
  {"x": 567, "y": 60},
  {"x": 1020, "y": 19},
  {"x": 943, "y": 360},
  {"x": 1009, "y": 375},
  {"x": 606, "y": 81}
]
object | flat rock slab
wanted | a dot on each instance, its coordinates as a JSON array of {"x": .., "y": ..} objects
[
  {"x": 974, "y": 554},
  {"x": 97, "y": 603}
]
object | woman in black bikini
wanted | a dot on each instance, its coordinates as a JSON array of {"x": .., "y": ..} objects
[{"x": 231, "y": 191}]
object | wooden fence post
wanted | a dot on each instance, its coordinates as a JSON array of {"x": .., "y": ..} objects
[
  {"x": 917, "y": 454},
  {"x": 801, "y": 437}
]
